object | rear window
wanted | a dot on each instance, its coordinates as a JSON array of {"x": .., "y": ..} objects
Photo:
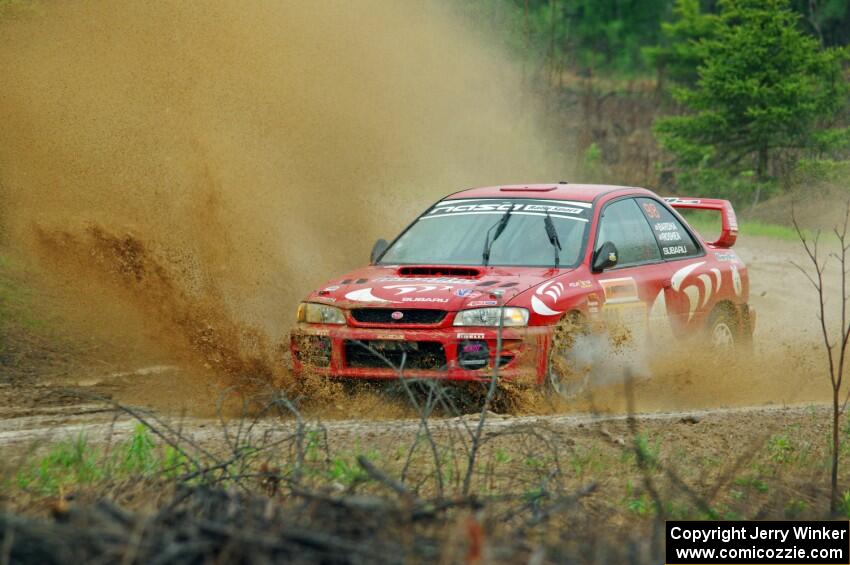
[{"x": 673, "y": 239}]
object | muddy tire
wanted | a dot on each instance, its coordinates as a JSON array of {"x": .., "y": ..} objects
[
  {"x": 724, "y": 332},
  {"x": 564, "y": 377}
]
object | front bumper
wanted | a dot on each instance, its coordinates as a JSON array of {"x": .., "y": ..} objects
[{"x": 450, "y": 353}]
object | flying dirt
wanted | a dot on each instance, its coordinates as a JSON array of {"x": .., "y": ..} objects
[
  {"x": 176, "y": 176},
  {"x": 183, "y": 173}
]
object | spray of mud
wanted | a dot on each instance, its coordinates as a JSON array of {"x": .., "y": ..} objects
[
  {"x": 183, "y": 173},
  {"x": 192, "y": 169}
]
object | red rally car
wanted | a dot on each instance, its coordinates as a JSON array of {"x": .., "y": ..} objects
[{"x": 510, "y": 275}]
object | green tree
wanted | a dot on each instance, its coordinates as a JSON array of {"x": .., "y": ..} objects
[
  {"x": 680, "y": 53},
  {"x": 765, "y": 89}
]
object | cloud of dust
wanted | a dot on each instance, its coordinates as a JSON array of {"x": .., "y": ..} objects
[{"x": 203, "y": 165}]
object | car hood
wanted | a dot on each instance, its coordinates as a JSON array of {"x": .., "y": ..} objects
[{"x": 446, "y": 288}]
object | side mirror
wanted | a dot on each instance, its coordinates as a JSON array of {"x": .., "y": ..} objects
[
  {"x": 378, "y": 250},
  {"x": 605, "y": 257}
]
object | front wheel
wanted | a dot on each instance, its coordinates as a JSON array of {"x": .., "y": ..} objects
[{"x": 565, "y": 375}]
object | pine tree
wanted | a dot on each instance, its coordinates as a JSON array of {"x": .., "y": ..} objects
[{"x": 765, "y": 89}]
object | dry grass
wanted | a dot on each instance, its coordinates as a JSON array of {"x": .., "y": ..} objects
[{"x": 273, "y": 486}]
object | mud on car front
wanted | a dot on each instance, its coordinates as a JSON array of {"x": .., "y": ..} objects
[{"x": 384, "y": 343}]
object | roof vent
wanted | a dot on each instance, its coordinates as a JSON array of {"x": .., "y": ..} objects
[{"x": 528, "y": 188}]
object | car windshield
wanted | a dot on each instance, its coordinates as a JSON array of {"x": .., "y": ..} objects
[{"x": 455, "y": 232}]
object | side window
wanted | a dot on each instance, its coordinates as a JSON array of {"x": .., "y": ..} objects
[
  {"x": 624, "y": 225},
  {"x": 673, "y": 239}
]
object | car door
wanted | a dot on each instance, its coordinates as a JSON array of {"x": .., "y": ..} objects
[
  {"x": 690, "y": 280},
  {"x": 630, "y": 287}
]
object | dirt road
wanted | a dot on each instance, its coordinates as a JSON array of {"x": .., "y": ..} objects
[{"x": 786, "y": 369}]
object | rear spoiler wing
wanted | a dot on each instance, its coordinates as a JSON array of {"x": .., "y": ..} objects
[{"x": 728, "y": 221}]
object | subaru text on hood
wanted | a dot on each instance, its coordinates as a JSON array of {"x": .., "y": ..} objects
[{"x": 540, "y": 264}]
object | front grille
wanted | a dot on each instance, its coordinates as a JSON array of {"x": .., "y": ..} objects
[
  {"x": 410, "y": 316},
  {"x": 371, "y": 354}
]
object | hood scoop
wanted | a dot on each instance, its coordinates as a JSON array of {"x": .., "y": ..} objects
[{"x": 465, "y": 272}]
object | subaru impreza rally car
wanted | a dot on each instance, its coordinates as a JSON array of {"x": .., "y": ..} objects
[{"x": 510, "y": 275}]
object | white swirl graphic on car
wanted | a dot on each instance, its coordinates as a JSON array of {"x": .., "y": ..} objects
[
  {"x": 549, "y": 292},
  {"x": 366, "y": 295},
  {"x": 408, "y": 288}
]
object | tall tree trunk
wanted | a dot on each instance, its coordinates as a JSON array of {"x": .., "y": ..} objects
[{"x": 761, "y": 173}]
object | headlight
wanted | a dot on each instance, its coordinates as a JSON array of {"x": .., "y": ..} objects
[
  {"x": 319, "y": 314},
  {"x": 512, "y": 317}
]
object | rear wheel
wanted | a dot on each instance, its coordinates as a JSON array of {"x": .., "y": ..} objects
[
  {"x": 724, "y": 331},
  {"x": 565, "y": 376}
]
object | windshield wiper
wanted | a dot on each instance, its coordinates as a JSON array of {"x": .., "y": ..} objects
[
  {"x": 552, "y": 234},
  {"x": 499, "y": 227}
]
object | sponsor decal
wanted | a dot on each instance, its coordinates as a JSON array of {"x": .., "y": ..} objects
[
  {"x": 664, "y": 226},
  {"x": 551, "y": 293},
  {"x": 415, "y": 287},
  {"x": 320, "y": 332},
  {"x": 326, "y": 299},
  {"x": 424, "y": 299},
  {"x": 470, "y": 336},
  {"x": 364, "y": 295},
  {"x": 669, "y": 236},
  {"x": 331, "y": 288},
  {"x": 472, "y": 347},
  {"x": 674, "y": 250},
  {"x": 391, "y": 336},
  {"x": 618, "y": 291},
  {"x": 581, "y": 284},
  {"x": 556, "y": 208},
  {"x": 483, "y": 303},
  {"x": 726, "y": 256},
  {"x": 464, "y": 292},
  {"x": 674, "y": 200},
  {"x": 397, "y": 315},
  {"x": 651, "y": 211}
]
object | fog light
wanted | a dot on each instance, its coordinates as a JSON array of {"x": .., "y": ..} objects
[{"x": 313, "y": 350}]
